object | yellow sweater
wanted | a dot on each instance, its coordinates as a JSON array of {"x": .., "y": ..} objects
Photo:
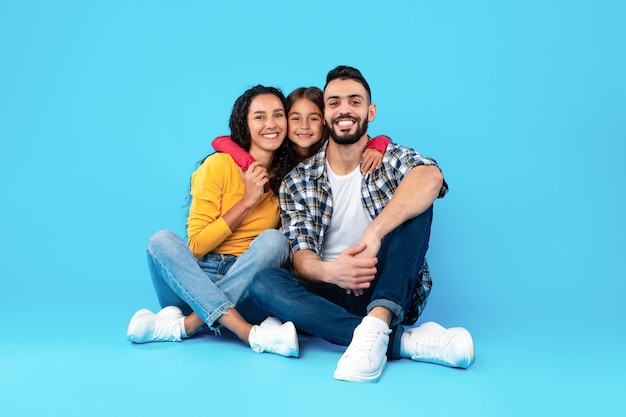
[{"x": 216, "y": 186}]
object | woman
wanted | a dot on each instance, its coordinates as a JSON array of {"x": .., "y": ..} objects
[
  {"x": 306, "y": 132},
  {"x": 232, "y": 234}
]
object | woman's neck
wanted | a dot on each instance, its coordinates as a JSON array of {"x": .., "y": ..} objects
[{"x": 264, "y": 158}]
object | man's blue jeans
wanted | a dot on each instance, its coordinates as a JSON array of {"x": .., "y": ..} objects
[
  {"x": 211, "y": 285},
  {"x": 327, "y": 311}
]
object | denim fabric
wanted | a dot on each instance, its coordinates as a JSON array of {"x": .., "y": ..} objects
[
  {"x": 328, "y": 312},
  {"x": 211, "y": 285}
]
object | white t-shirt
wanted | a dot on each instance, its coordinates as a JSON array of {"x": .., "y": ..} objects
[{"x": 349, "y": 218}]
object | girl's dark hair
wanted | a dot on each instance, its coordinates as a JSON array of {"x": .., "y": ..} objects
[
  {"x": 315, "y": 95},
  {"x": 311, "y": 93}
]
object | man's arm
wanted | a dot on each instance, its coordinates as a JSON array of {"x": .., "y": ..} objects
[
  {"x": 415, "y": 194},
  {"x": 297, "y": 199}
]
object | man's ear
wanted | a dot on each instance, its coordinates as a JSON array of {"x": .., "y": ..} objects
[{"x": 371, "y": 115}]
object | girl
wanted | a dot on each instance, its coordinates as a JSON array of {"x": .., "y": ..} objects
[{"x": 306, "y": 132}]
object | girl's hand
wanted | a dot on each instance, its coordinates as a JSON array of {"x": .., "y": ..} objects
[{"x": 372, "y": 160}]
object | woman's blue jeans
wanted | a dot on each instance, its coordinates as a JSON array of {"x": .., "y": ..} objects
[
  {"x": 211, "y": 285},
  {"x": 327, "y": 311}
]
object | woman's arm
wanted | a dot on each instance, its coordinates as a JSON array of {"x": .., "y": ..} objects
[{"x": 212, "y": 189}]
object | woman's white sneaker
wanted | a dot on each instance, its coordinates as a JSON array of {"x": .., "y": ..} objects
[
  {"x": 165, "y": 326},
  {"x": 271, "y": 322},
  {"x": 273, "y": 338}
]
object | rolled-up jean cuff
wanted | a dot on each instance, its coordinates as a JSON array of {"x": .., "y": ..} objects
[
  {"x": 396, "y": 310},
  {"x": 219, "y": 312},
  {"x": 395, "y": 340}
]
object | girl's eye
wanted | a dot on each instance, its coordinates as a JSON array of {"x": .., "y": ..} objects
[{"x": 294, "y": 118}]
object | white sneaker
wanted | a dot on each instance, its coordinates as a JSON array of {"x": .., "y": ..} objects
[
  {"x": 433, "y": 343},
  {"x": 271, "y": 322},
  {"x": 365, "y": 357},
  {"x": 165, "y": 326},
  {"x": 280, "y": 339}
]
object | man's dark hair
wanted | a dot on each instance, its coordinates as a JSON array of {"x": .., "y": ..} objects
[{"x": 343, "y": 72}]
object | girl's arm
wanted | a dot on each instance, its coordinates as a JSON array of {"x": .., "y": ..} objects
[
  {"x": 225, "y": 144},
  {"x": 373, "y": 154}
]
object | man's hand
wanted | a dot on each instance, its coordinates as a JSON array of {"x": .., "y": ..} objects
[
  {"x": 372, "y": 246},
  {"x": 354, "y": 270}
]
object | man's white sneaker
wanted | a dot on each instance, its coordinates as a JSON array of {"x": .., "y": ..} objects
[
  {"x": 433, "y": 343},
  {"x": 366, "y": 356},
  {"x": 165, "y": 326},
  {"x": 280, "y": 339}
]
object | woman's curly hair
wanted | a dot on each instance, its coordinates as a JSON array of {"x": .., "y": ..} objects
[{"x": 285, "y": 157}]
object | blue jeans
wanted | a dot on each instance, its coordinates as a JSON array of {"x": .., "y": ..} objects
[
  {"x": 328, "y": 312},
  {"x": 211, "y": 285}
]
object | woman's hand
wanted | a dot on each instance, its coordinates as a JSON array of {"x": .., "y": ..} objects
[{"x": 254, "y": 178}]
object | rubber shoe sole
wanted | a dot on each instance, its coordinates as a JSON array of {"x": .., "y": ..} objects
[{"x": 372, "y": 377}]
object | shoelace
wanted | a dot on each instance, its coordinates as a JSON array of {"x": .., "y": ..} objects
[
  {"x": 430, "y": 349},
  {"x": 364, "y": 340},
  {"x": 167, "y": 330},
  {"x": 265, "y": 339}
]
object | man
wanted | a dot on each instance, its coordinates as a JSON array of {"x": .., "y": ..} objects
[{"x": 359, "y": 244}]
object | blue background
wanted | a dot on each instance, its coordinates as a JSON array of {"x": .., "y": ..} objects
[{"x": 105, "y": 108}]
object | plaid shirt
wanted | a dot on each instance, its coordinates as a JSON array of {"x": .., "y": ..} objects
[
  {"x": 306, "y": 204},
  {"x": 306, "y": 201}
]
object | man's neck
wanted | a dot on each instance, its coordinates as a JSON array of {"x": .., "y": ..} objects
[{"x": 344, "y": 159}]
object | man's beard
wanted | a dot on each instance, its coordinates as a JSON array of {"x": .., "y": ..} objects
[{"x": 350, "y": 138}]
